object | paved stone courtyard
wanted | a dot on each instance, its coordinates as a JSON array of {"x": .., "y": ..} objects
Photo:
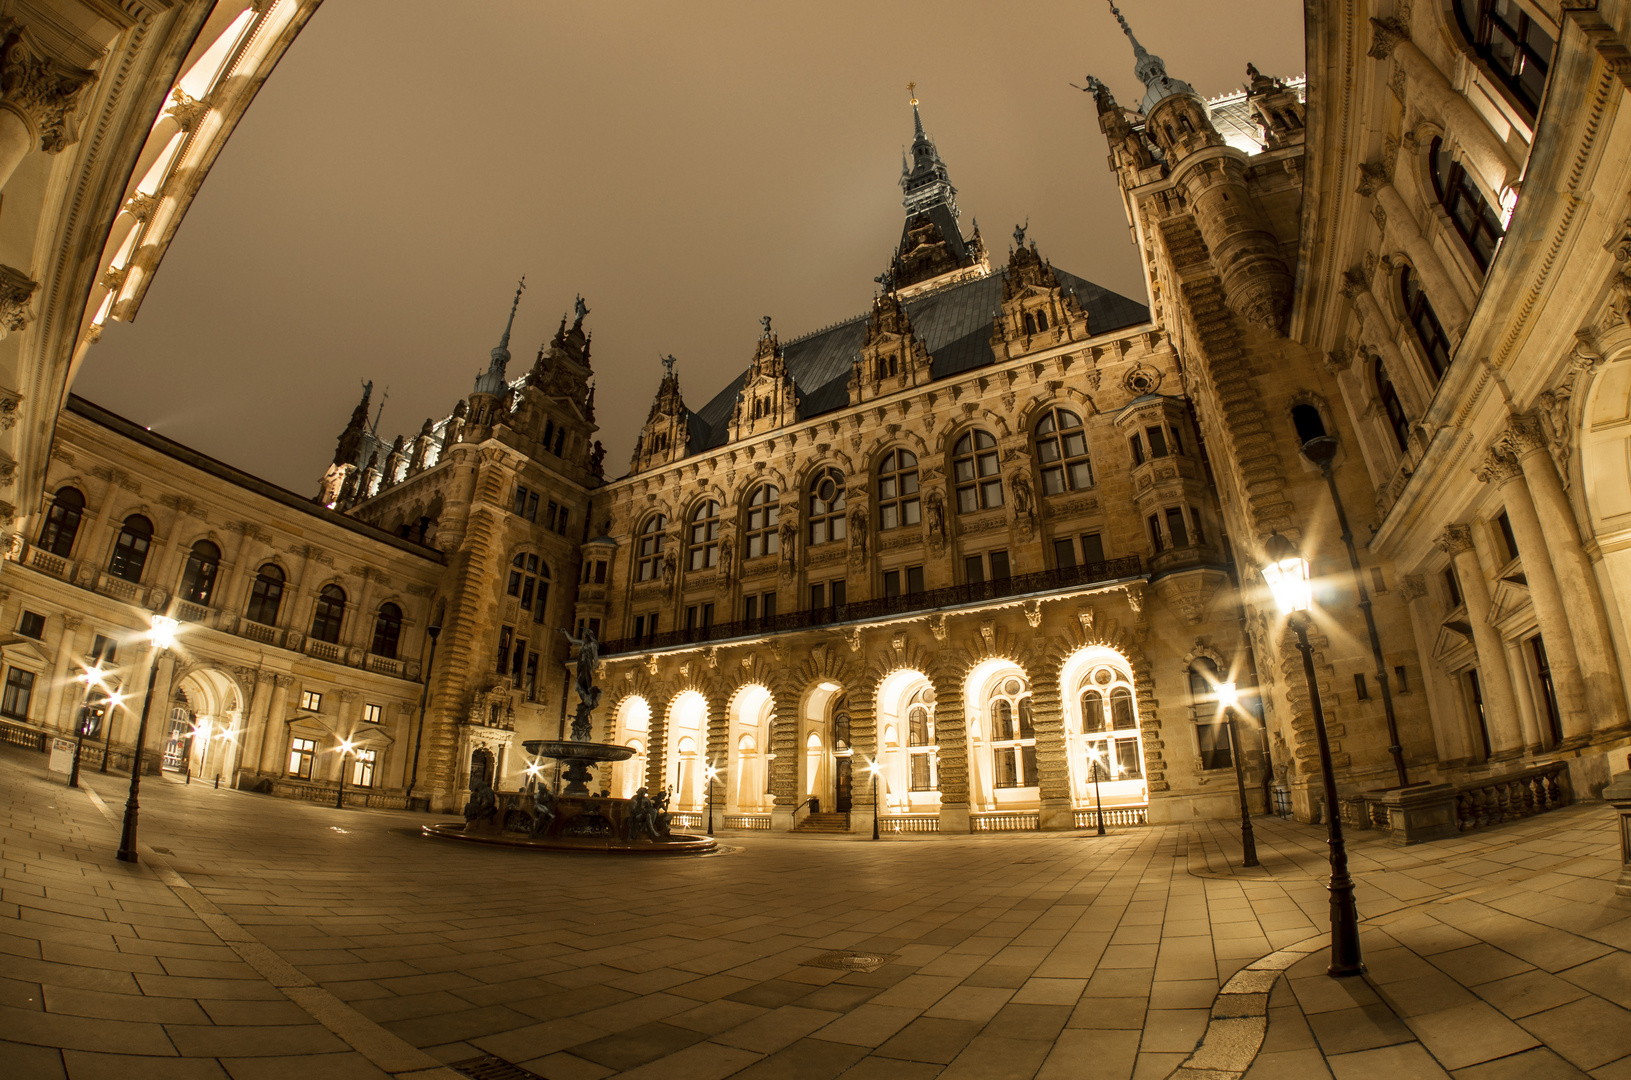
[{"x": 264, "y": 938}]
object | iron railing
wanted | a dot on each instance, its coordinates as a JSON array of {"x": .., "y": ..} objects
[{"x": 1128, "y": 566}]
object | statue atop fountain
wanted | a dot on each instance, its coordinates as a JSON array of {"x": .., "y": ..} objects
[{"x": 588, "y": 649}]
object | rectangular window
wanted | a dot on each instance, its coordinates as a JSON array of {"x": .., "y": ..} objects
[
  {"x": 1452, "y": 587},
  {"x": 102, "y": 650},
  {"x": 530, "y": 685},
  {"x": 362, "y": 767},
  {"x": 1361, "y": 687},
  {"x": 1155, "y": 533},
  {"x": 32, "y": 624},
  {"x": 19, "y": 691},
  {"x": 891, "y": 582},
  {"x": 1213, "y": 739},
  {"x": 1548, "y": 692},
  {"x": 999, "y": 565},
  {"x": 750, "y": 608},
  {"x": 691, "y": 617},
  {"x": 914, "y": 579},
  {"x": 1092, "y": 548},
  {"x": 818, "y": 595},
  {"x": 1195, "y": 521},
  {"x": 302, "y": 752},
  {"x": 1137, "y": 446},
  {"x": 1158, "y": 441},
  {"x": 920, "y": 773},
  {"x": 311, "y": 701},
  {"x": 594, "y": 624},
  {"x": 520, "y": 501},
  {"x": 600, "y": 571},
  {"x": 1378, "y": 583},
  {"x": 974, "y": 569},
  {"x": 639, "y": 627},
  {"x": 1027, "y": 759},
  {"x": 1128, "y": 764},
  {"x": 1475, "y": 697},
  {"x": 1177, "y": 439},
  {"x": 560, "y": 525},
  {"x": 549, "y": 514},
  {"x": 532, "y": 507},
  {"x": 1404, "y": 680},
  {"x": 520, "y": 662},
  {"x": 1175, "y": 527},
  {"x": 1064, "y": 553},
  {"x": 373, "y": 714},
  {"x": 505, "y": 636},
  {"x": 1504, "y": 525}
]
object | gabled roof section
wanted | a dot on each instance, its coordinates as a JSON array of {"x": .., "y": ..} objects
[{"x": 954, "y": 323}]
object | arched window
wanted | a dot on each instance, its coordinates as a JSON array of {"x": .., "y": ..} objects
[
  {"x": 1211, "y": 734},
  {"x": 921, "y": 749},
  {"x": 1429, "y": 333},
  {"x": 704, "y": 539},
  {"x": 1030, "y": 323},
  {"x": 1389, "y": 398},
  {"x": 1477, "y": 222},
  {"x": 648, "y": 552},
  {"x": 898, "y": 502},
  {"x": 529, "y": 583},
  {"x": 130, "y": 550},
  {"x": 330, "y": 611},
  {"x": 1041, "y": 321},
  {"x": 62, "y": 522},
  {"x": 1093, "y": 718},
  {"x": 1515, "y": 48},
  {"x": 387, "y": 631},
  {"x": 827, "y": 507},
  {"x": 1111, "y": 742},
  {"x": 1013, "y": 736},
  {"x": 764, "y": 511},
  {"x": 198, "y": 579},
  {"x": 974, "y": 464},
  {"x": 1121, "y": 709},
  {"x": 1061, "y": 448},
  {"x": 266, "y": 595},
  {"x": 1308, "y": 422}
]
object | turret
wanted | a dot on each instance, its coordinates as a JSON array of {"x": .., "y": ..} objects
[
  {"x": 768, "y": 398},
  {"x": 347, "y": 451},
  {"x": 489, "y": 401},
  {"x": 892, "y": 357},
  {"x": 666, "y": 435},
  {"x": 932, "y": 250}
]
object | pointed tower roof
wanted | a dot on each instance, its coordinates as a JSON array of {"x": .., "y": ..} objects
[
  {"x": 932, "y": 244},
  {"x": 492, "y": 381},
  {"x": 924, "y": 178},
  {"x": 1150, "y": 69}
]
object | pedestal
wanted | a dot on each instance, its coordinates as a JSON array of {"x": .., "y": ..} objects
[
  {"x": 1420, "y": 813},
  {"x": 1618, "y": 795},
  {"x": 1056, "y": 815}
]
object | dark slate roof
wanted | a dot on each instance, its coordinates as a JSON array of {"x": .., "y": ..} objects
[{"x": 954, "y": 323}]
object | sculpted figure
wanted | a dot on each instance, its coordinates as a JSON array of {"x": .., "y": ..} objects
[
  {"x": 646, "y": 818},
  {"x": 483, "y": 804},
  {"x": 588, "y": 649},
  {"x": 543, "y": 809}
]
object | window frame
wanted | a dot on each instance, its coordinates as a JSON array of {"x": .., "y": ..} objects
[
  {"x": 199, "y": 576},
  {"x": 387, "y": 631},
  {"x": 19, "y": 684},
  {"x": 328, "y": 614},
  {"x": 1059, "y": 472},
  {"x": 1463, "y": 201},
  {"x": 648, "y": 548},
  {"x": 899, "y": 492},
  {"x": 1424, "y": 321},
  {"x": 60, "y": 529},
  {"x": 127, "y": 562},
  {"x": 828, "y": 522},
  {"x": 702, "y": 535},
  {"x": 1012, "y": 708},
  {"x": 261, "y": 594},
  {"x": 975, "y": 489}
]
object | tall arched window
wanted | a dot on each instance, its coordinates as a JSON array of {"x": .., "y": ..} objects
[
  {"x": 130, "y": 550},
  {"x": 898, "y": 502},
  {"x": 1013, "y": 736},
  {"x": 827, "y": 507},
  {"x": 1477, "y": 222},
  {"x": 266, "y": 595},
  {"x": 329, "y": 613},
  {"x": 1211, "y": 734},
  {"x": 1093, "y": 718},
  {"x": 648, "y": 552},
  {"x": 529, "y": 583},
  {"x": 1515, "y": 48},
  {"x": 1389, "y": 399},
  {"x": 703, "y": 542},
  {"x": 198, "y": 579},
  {"x": 1061, "y": 448},
  {"x": 764, "y": 511},
  {"x": 387, "y": 631},
  {"x": 974, "y": 464},
  {"x": 1435, "y": 343},
  {"x": 62, "y": 522},
  {"x": 1308, "y": 422},
  {"x": 921, "y": 748}
]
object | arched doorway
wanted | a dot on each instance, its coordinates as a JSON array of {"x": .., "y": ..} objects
[
  {"x": 908, "y": 756},
  {"x": 1103, "y": 736}
]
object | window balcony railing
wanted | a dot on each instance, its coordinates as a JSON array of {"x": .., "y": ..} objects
[{"x": 1128, "y": 566}]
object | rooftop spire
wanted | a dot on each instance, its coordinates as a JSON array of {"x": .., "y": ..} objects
[
  {"x": 917, "y": 119},
  {"x": 1150, "y": 69},
  {"x": 501, "y": 355}
]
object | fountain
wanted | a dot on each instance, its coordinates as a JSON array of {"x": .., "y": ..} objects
[{"x": 575, "y": 819}]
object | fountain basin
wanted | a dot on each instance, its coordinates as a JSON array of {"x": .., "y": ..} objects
[
  {"x": 578, "y": 756},
  {"x": 582, "y": 823}
]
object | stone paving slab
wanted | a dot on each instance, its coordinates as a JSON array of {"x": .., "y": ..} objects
[{"x": 282, "y": 939}]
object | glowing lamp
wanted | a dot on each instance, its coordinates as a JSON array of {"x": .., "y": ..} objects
[
  {"x": 1287, "y": 575},
  {"x": 1228, "y": 695},
  {"x": 164, "y": 631}
]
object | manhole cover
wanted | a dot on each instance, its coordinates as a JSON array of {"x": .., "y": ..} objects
[
  {"x": 492, "y": 1068},
  {"x": 851, "y": 961},
  {"x": 164, "y": 851}
]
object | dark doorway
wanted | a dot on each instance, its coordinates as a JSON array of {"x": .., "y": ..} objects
[
  {"x": 843, "y": 785},
  {"x": 843, "y": 775}
]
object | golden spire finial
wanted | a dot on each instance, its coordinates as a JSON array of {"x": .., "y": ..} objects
[{"x": 911, "y": 88}]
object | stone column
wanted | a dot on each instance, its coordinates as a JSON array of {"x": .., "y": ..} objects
[
  {"x": 1495, "y": 679},
  {"x": 784, "y": 774},
  {"x": 1500, "y": 469},
  {"x": 657, "y": 746},
  {"x": 951, "y": 735},
  {"x": 1052, "y": 758},
  {"x": 63, "y": 681},
  {"x": 38, "y": 94},
  {"x": 253, "y": 736},
  {"x": 1592, "y": 640},
  {"x": 1528, "y": 718},
  {"x": 272, "y": 741},
  {"x": 1374, "y": 331},
  {"x": 1453, "y": 743},
  {"x": 863, "y": 741},
  {"x": 717, "y": 742},
  {"x": 1434, "y": 93},
  {"x": 1373, "y": 180}
]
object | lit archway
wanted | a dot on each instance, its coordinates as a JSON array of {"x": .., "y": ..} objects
[
  {"x": 909, "y": 757},
  {"x": 1102, "y": 730},
  {"x": 687, "y": 724},
  {"x": 749, "y": 778},
  {"x": 633, "y": 722}
]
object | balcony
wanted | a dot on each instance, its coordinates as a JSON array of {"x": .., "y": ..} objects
[{"x": 956, "y": 596}]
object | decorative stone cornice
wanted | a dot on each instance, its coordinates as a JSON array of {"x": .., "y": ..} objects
[
  {"x": 1412, "y": 587},
  {"x": 1454, "y": 540},
  {"x": 41, "y": 89},
  {"x": 1371, "y": 179},
  {"x": 1385, "y": 37},
  {"x": 141, "y": 206},
  {"x": 1524, "y": 435},
  {"x": 184, "y": 109},
  {"x": 1498, "y": 467},
  {"x": 16, "y": 290}
]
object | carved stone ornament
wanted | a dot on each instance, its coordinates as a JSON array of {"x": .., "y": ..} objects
[
  {"x": 16, "y": 291},
  {"x": 1372, "y": 177},
  {"x": 1498, "y": 467},
  {"x": 1454, "y": 540},
  {"x": 1142, "y": 379},
  {"x": 1353, "y": 283},
  {"x": 1033, "y": 612},
  {"x": 1385, "y": 37},
  {"x": 1524, "y": 435},
  {"x": 8, "y": 409},
  {"x": 141, "y": 206},
  {"x": 41, "y": 89},
  {"x": 1619, "y": 245},
  {"x": 937, "y": 626},
  {"x": 853, "y": 636},
  {"x": 1135, "y": 597},
  {"x": 1412, "y": 587},
  {"x": 185, "y": 109}
]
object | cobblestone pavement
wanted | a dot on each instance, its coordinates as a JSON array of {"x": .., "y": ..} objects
[{"x": 263, "y": 938}]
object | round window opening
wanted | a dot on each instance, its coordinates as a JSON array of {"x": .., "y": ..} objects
[{"x": 826, "y": 491}]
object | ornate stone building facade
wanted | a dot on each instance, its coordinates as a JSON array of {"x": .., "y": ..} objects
[{"x": 976, "y": 558}]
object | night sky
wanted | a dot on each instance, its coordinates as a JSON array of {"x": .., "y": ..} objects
[{"x": 686, "y": 167}]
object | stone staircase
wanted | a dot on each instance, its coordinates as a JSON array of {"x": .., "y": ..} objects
[{"x": 823, "y": 823}]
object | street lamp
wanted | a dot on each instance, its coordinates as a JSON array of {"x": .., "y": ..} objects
[
  {"x": 713, "y": 774},
  {"x": 163, "y": 636},
  {"x": 339, "y": 798},
  {"x": 92, "y": 680},
  {"x": 1098, "y": 800},
  {"x": 435, "y": 631},
  {"x": 1322, "y": 451},
  {"x": 1287, "y": 577},
  {"x": 874, "y": 768},
  {"x": 1229, "y": 697}
]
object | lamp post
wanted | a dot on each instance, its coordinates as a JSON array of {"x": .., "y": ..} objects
[
  {"x": 712, "y": 774},
  {"x": 1287, "y": 577},
  {"x": 875, "y": 769},
  {"x": 1229, "y": 697},
  {"x": 1098, "y": 799},
  {"x": 92, "y": 679},
  {"x": 1322, "y": 451},
  {"x": 435, "y": 631},
  {"x": 339, "y": 798},
  {"x": 163, "y": 636}
]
